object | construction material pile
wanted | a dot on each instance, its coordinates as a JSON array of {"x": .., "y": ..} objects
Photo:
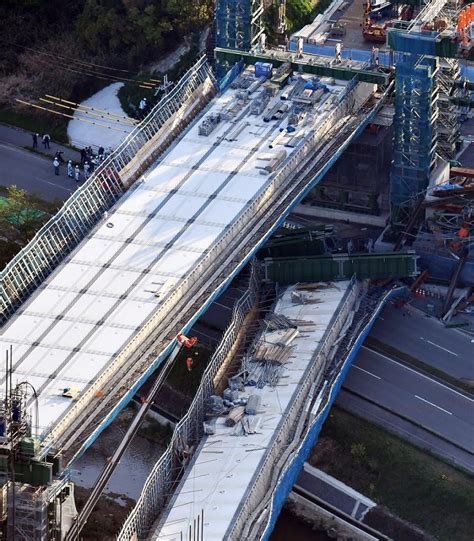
[{"x": 262, "y": 365}]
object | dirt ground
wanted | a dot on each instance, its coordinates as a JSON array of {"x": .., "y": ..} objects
[{"x": 107, "y": 517}]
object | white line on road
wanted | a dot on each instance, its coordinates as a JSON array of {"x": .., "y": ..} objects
[
  {"x": 418, "y": 373},
  {"x": 434, "y": 405},
  {"x": 68, "y": 190},
  {"x": 438, "y": 346},
  {"x": 366, "y": 371}
]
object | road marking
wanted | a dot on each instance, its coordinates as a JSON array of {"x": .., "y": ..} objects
[
  {"x": 438, "y": 346},
  {"x": 366, "y": 371},
  {"x": 418, "y": 373},
  {"x": 434, "y": 405},
  {"x": 68, "y": 190}
]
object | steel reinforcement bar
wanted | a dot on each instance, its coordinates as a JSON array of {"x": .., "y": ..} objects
[{"x": 84, "y": 209}]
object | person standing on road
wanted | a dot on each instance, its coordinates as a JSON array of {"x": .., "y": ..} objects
[
  {"x": 83, "y": 155},
  {"x": 87, "y": 170},
  {"x": 56, "y": 166},
  {"x": 77, "y": 174},
  {"x": 35, "y": 139},
  {"x": 70, "y": 169},
  {"x": 46, "y": 140},
  {"x": 142, "y": 108}
]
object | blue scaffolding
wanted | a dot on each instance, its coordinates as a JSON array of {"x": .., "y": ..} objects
[
  {"x": 414, "y": 125},
  {"x": 238, "y": 23},
  {"x": 238, "y": 26},
  {"x": 414, "y": 138}
]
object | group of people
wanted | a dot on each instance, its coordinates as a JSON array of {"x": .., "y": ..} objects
[
  {"x": 45, "y": 139},
  {"x": 89, "y": 160}
]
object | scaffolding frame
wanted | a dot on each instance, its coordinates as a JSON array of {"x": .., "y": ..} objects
[
  {"x": 414, "y": 134},
  {"x": 239, "y": 23}
]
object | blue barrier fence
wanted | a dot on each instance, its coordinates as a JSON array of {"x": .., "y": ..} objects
[{"x": 288, "y": 479}]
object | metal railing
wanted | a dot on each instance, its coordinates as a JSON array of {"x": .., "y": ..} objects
[
  {"x": 188, "y": 432},
  {"x": 83, "y": 210},
  {"x": 212, "y": 259},
  {"x": 303, "y": 403}
]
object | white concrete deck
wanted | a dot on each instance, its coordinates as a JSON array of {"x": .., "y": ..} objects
[
  {"x": 75, "y": 324},
  {"x": 224, "y": 468}
]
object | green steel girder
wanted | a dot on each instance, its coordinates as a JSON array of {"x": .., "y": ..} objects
[
  {"x": 344, "y": 73},
  {"x": 375, "y": 266}
]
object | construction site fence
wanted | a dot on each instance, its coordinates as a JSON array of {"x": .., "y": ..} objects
[
  {"x": 288, "y": 468},
  {"x": 261, "y": 203},
  {"x": 87, "y": 205},
  {"x": 283, "y": 434},
  {"x": 189, "y": 431}
]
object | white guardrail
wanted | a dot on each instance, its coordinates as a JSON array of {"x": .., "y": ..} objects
[
  {"x": 189, "y": 430},
  {"x": 63, "y": 232}
]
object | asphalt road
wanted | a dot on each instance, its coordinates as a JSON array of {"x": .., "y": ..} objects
[
  {"x": 431, "y": 413},
  {"x": 425, "y": 338},
  {"x": 32, "y": 171}
]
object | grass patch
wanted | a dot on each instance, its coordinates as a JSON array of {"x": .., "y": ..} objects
[
  {"x": 415, "y": 485},
  {"x": 374, "y": 343},
  {"x": 57, "y": 130}
]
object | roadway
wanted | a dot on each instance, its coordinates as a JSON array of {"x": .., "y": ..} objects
[
  {"x": 417, "y": 406},
  {"x": 30, "y": 170},
  {"x": 426, "y": 339}
]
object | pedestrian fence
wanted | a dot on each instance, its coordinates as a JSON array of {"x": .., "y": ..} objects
[
  {"x": 87, "y": 205},
  {"x": 189, "y": 431}
]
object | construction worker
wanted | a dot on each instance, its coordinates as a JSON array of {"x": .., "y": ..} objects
[
  {"x": 142, "y": 107},
  {"x": 56, "y": 166},
  {"x": 70, "y": 169},
  {"x": 189, "y": 363},
  {"x": 77, "y": 174},
  {"x": 87, "y": 170}
]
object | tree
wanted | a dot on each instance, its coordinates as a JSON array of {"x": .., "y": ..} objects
[{"x": 21, "y": 215}]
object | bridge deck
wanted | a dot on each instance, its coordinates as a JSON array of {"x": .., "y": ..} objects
[
  {"x": 96, "y": 300},
  {"x": 226, "y": 466}
]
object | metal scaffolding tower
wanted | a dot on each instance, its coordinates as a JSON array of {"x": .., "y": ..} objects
[
  {"x": 238, "y": 23},
  {"x": 416, "y": 114},
  {"x": 449, "y": 124}
]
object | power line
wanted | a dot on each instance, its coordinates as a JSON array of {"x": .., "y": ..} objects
[
  {"x": 70, "y": 116},
  {"x": 79, "y": 105},
  {"x": 90, "y": 73},
  {"x": 120, "y": 121},
  {"x": 55, "y": 55}
]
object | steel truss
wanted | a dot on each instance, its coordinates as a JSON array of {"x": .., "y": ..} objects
[{"x": 415, "y": 134}]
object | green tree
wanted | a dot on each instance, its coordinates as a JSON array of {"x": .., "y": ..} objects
[
  {"x": 21, "y": 215},
  {"x": 298, "y": 14}
]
